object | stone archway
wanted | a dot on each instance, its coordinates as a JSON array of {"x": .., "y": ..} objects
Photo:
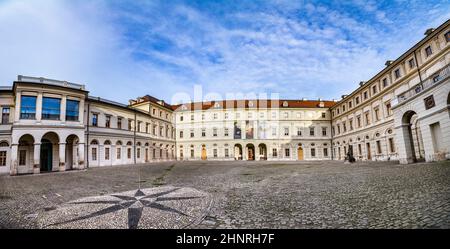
[
  {"x": 72, "y": 143},
  {"x": 52, "y": 154},
  {"x": 412, "y": 137},
  {"x": 262, "y": 149},
  {"x": 250, "y": 152},
  {"x": 27, "y": 159},
  {"x": 238, "y": 152}
]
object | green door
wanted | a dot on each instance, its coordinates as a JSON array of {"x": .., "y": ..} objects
[{"x": 46, "y": 155}]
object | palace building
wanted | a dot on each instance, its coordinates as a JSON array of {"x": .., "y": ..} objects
[{"x": 402, "y": 113}]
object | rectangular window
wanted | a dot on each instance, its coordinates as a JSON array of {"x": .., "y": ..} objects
[
  {"x": 313, "y": 152},
  {"x": 447, "y": 36},
  {"x": 428, "y": 51},
  {"x": 385, "y": 82},
  {"x": 106, "y": 153},
  {"x": 72, "y": 110},
  {"x": 214, "y": 132},
  {"x": 325, "y": 152},
  {"x": 215, "y": 153},
  {"x": 391, "y": 145},
  {"x": 146, "y": 127},
  {"x": 94, "y": 154},
  {"x": 138, "y": 152},
  {"x": 349, "y": 105},
  {"x": 192, "y": 153},
  {"x": 225, "y": 133},
  {"x": 139, "y": 126},
  {"x": 22, "y": 157},
  {"x": 181, "y": 118},
  {"x": 374, "y": 89},
  {"x": 215, "y": 116},
  {"x": 27, "y": 107},
  {"x": 129, "y": 153},
  {"x": 378, "y": 147},
  {"x": 274, "y": 152},
  {"x": 388, "y": 109},
  {"x": 203, "y": 116},
  {"x": 367, "y": 116},
  {"x": 286, "y": 131},
  {"x": 108, "y": 121},
  {"x": 286, "y": 115},
  {"x": 274, "y": 131},
  {"x": 2, "y": 158},
  {"x": 226, "y": 153},
  {"x": 119, "y": 152},
  {"x": 94, "y": 119},
  {"x": 299, "y": 131},
  {"x": 192, "y": 117},
  {"x": 324, "y": 131},
  {"x": 226, "y": 115},
  {"x": 311, "y": 131},
  {"x": 344, "y": 127},
  {"x": 130, "y": 124},
  {"x": 203, "y": 132},
  {"x": 51, "y": 108},
  {"x": 377, "y": 114},
  {"x": 357, "y": 100},
  {"x": 412, "y": 63},
  {"x": 192, "y": 133},
  {"x": 119, "y": 123},
  {"x": 397, "y": 73},
  {"x": 365, "y": 95},
  {"x": 343, "y": 108},
  {"x": 287, "y": 152},
  {"x": 181, "y": 134},
  {"x": 358, "y": 121},
  {"x": 323, "y": 114},
  {"x": 350, "y": 123},
  {"x": 5, "y": 115}
]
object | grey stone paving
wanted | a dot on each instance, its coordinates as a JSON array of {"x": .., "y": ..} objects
[{"x": 250, "y": 194}]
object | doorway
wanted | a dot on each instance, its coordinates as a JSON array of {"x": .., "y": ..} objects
[
  {"x": 300, "y": 153},
  {"x": 46, "y": 155}
]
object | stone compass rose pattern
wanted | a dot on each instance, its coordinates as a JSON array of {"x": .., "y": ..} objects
[{"x": 161, "y": 207}]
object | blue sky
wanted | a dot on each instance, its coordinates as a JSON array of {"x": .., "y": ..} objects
[{"x": 125, "y": 49}]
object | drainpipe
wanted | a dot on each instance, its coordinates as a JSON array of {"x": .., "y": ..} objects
[
  {"x": 134, "y": 136},
  {"x": 417, "y": 65},
  {"x": 331, "y": 131},
  {"x": 87, "y": 134}
]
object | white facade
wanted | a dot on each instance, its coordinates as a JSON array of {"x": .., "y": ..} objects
[{"x": 402, "y": 114}]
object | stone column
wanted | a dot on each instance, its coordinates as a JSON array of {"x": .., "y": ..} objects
[
  {"x": 39, "y": 107},
  {"x": 62, "y": 156},
  {"x": 37, "y": 158},
  {"x": 17, "y": 108},
  {"x": 62, "y": 115},
  {"x": 81, "y": 164},
  {"x": 14, "y": 162}
]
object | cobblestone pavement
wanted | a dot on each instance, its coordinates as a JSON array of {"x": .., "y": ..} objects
[{"x": 257, "y": 194}]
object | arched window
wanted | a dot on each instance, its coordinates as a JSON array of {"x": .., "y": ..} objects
[
  {"x": 107, "y": 142},
  {"x": 119, "y": 142},
  {"x": 94, "y": 142},
  {"x": 4, "y": 144}
]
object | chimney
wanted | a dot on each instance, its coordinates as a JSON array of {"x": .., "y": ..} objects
[
  {"x": 388, "y": 62},
  {"x": 429, "y": 31}
]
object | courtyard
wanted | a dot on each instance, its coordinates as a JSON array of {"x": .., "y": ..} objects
[{"x": 239, "y": 194}]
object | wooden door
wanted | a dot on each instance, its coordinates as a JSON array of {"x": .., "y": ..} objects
[
  {"x": 300, "y": 153},
  {"x": 203, "y": 154}
]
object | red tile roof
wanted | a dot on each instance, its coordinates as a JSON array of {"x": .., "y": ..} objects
[{"x": 257, "y": 104}]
